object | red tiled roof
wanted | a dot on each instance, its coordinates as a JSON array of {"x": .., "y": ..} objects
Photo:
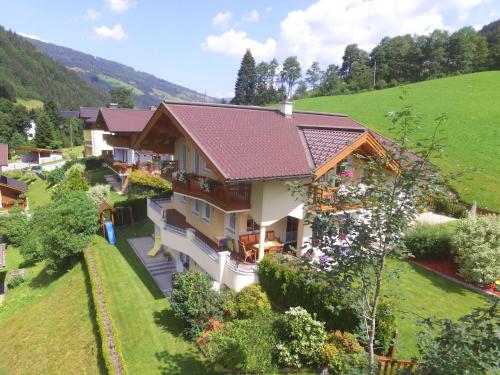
[
  {"x": 125, "y": 120},
  {"x": 4, "y": 155},
  {"x": 324, "y": 143},
  {"x": 257, "y": 143}
]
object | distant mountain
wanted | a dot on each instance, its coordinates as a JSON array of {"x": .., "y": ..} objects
[
  {"x": 28, "y": 74},
  {"x": 147, "y": 89}
]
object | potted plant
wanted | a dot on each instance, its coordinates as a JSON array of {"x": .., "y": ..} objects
[
  {"x": 181, "y": 175},
  {"x": 209, "y": 184}
]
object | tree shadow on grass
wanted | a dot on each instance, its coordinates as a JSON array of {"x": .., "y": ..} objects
[
  {"x": 181, "y": 363},
  {"x": 168, "y": 321},
  {"x": 48, "y": 275}
]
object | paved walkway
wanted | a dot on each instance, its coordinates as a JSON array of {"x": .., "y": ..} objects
[
  {"x": 115, "y": 184},
  {"x": 432, "y": 218},
  {"x": 160, "y": 268}
]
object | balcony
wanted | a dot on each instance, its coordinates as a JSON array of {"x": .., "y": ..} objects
[
  {"x": 176, "y": 234},
  {"x": 227, "y": 197},
  {"x": 328, "y": 200}
]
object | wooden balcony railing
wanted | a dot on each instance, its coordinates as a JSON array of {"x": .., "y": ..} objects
[{"x": 227, "y": 197}]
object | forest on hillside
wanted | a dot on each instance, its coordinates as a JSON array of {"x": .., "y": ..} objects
[
  {"x": 27, "y": 73},
  {"x": 394, "y": 61}
]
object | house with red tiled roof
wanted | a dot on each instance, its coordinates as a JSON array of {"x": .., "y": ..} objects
[
  {"x": 11, "y": 190},
  {"x": 231, "y": 204},
  {"x": 93, "y": 139}
]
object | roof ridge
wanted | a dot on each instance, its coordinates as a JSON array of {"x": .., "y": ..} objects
[
  {"x": 129, "y": 109},
  {"x": 252, "y": 107},
  {"x": 361, "y": 129}
]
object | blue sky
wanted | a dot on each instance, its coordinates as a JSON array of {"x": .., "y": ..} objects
[{"x": 199, "y": 44}]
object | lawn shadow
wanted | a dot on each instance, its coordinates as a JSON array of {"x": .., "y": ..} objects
[
  {"x": 181, "y": 363},
  {"x": 134, "y": 262},
  {"x": 93, "y": 318},
  {"x": 168, "y": 321},
  {"x": 48, "y": 275}
]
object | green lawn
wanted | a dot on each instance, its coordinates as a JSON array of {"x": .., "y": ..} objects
[
  {"x": 71, "y": 153},
  {"x": 47, "y": 324},
  {"x": 420, "y": 294},
  {"x": 97, "y": 177},
  {"x": 149, "y": 333},
  {"x": 38, "y": 193},
  {"x": 471, "y": 136}
]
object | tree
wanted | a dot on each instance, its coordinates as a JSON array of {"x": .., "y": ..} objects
[
  {"x": 45, "y": 132},
  {"x": 290, "y": 74},
  {"x": 61, "y": 229},
  {"x": 353, "y": 55},
  {"x": 264, "y": 90},
  {"x": 356, "y": 244},
  {"x": 467, "y": 51},
  {"x": 494, "y": 58},
  {"x": 331, "y": 84},
  {"x": 7, "y": 90},
  {"x": 301, "y": 91},
  {"x": 434, "y": 54},
  {"x": 244, "y": 88},
  {"x": 469, "y": 346},
  {"x": 122, "y": 96},
  {"x": 314, "y": 75}
]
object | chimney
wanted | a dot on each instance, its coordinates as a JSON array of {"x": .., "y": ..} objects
[
  {"x": 153, "y": 108},
  {"x": 286, "y": 108},
  {"x": 113, "y": 105}
]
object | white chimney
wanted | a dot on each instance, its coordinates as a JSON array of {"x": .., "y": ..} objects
[
  {"x": 152, "y": 108},
  {"x": 286, "y": 107},
  {"x": 113, "y": 105}
]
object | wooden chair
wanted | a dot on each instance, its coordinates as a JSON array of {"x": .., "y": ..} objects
[
  {"x": 245, "y": 254},
  {"x": 270, "y": 235}
]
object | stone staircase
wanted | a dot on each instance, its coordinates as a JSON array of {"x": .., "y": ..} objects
[{"x": 162, "y": 273}]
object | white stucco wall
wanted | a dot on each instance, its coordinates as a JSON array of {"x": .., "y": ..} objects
[{"x": 98, "y": 143}]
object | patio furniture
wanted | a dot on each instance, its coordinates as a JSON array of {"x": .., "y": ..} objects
[
  {"x": 246, "y": 253},
  {"x": 270, "y": 235},
  {"x": 270, "y": 247}
]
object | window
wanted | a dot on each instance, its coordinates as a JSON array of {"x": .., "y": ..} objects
[
  {"x": 196, "y": 162},
  {"x": 206, "y": 212},
  {"x": 205, "y": 166},
  {"x": 252, "y": 226},
  {"x": 231, "y": 222},
  {"x": 195, "y": 206},
  {"x": 183, "y": 157}
]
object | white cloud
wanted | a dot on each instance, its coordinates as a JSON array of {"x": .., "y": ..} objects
[
  {"x": 31, "y": 36},
  {"x": 268, "y": 9},
  {"x": 234, "y": 43},
  {"x": 321, "y": 31},
  {"x": 222, "y": 20},
  {"x": 253, "y": 16},
  {"x": 92, "y": 15},
  {"x": 120, "y": 5},
  {"x": 116, "y": 32}
]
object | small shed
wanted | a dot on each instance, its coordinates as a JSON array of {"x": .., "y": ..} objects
[
  {"x": 39, "y": 155},
  {"x": 106, "y": 212}
]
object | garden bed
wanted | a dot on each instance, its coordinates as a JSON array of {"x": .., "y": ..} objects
[{"x": 449, "y": 268}]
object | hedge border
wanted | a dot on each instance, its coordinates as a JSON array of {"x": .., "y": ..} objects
[{"x": 111, "y": 346}]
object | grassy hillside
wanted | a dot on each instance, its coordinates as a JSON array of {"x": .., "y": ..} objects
[
  {"x": 34, "y": 75},
  {"x": 46, "y": 324},
  {"x": 471, "y": 135}
]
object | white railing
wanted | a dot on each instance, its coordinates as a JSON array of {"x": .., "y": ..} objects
[
  {"x": 206, "y": 248},
  {"x": 246, "y": 270},
  {"x": 176, "y": 230}
]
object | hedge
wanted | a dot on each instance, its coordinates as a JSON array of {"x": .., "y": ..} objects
[
  {"x": 426, "y": 241},
  {"x": 289, "y": 288},
  {"x": 93, "y": 274},
  {"x": 93, "y": 162}
]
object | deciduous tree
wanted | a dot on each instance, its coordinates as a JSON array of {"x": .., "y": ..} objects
[
  {"x": 290, "y": 74},
  {"x": 122, "y": 96}
]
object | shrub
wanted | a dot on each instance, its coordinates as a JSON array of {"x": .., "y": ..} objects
[
  {"x": 386, "y": 325},
  {"x": 15, "y": 281},
  {"x": 74, "y": 179},
  {"x": 300, "y": 339},
  {"x": 477, "y": 242},
  {"x": 445, "y": 205},
  {"x": 55, "y": 176},
  {"x": 427, "y": 241},
  {"x": 288, "y": 288},
  {"x": 61, "y": 228},
  {"x": 343, "y": 354},
  {"x": 230, "y": 307},
  {"x": 195, "y": 302},
  {"x": 148, "y": 183},
  {"x": 71, "y": 163},
  {"x": 13, "y": 227},
  {"x": 22, "y": 175},
  {"x": 245, "y": 346},
  {"x": 251, "y": 300},
  {"x": 99, "y": 193},
  {"x": 93, "y": 162}
]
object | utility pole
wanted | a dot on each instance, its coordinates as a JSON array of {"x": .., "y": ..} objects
[
  {"x": 71, "y": 132},
  {"x": 374, "y": 73}
]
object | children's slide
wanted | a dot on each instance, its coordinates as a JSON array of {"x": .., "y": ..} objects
[{"x": 110, "y": 232}]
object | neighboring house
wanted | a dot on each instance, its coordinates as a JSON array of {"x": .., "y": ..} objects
[
  {"x": 231, "y": 203},
  {"x": 11, "y": 190},
  {"x": 93, "y": 139},
  {"x": 31, "y": 131},
  {"x": 35, "y": 155}
]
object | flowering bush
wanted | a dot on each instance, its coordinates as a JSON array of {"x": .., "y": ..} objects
[
  {"x": 154, "y": 182},
  {"x": 300, "y": 339},
  {"x": 343, "y": 354},
  {"x": 121, "y": 167},
  {"x": 477, "y": 249},
  {"x": 209, "y": 184},
  {"x": 99, "y": 193}
]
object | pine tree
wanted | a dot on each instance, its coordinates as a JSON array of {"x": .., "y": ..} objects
[
  {"x": 44, "y": 136},
  {"x": 244, "y": 89}
]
